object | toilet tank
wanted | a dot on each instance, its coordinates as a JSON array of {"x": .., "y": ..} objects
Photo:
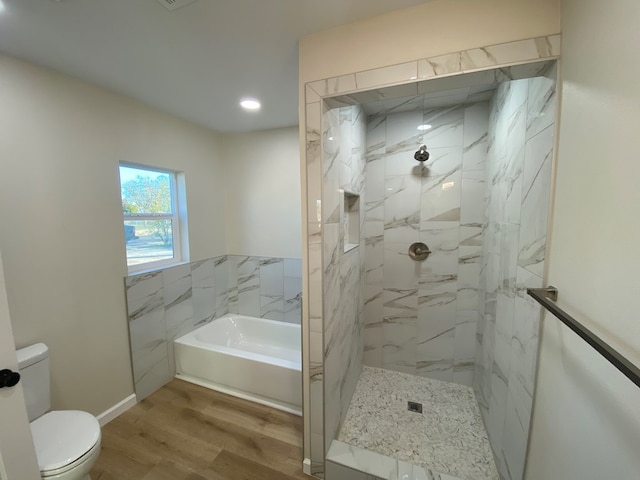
[{"x": 33, "y": 363}]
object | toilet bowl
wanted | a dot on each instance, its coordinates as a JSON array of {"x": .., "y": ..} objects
[{"x": 67, "y": 442}]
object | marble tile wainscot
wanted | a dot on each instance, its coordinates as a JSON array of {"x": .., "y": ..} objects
[{"x": 165, "y": 304}]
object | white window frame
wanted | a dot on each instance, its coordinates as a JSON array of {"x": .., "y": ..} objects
[{"x": 175, "y": 218}]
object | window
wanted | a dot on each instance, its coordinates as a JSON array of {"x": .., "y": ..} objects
[{"x": 151, "y": 219}]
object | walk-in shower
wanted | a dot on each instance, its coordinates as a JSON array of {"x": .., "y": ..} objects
[{"x": 429, "y": 341}]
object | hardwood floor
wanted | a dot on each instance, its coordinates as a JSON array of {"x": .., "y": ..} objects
[{"x": 187, "y": 432}]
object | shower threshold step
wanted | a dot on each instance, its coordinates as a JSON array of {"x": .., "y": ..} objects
[
  {"x": 447, "y": 436},
  {"x": 346, "y": 462}
]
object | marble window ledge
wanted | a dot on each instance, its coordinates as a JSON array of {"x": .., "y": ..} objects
[
  {"x": 158, "y": 268},
  {"x": 465, "y": 61}
]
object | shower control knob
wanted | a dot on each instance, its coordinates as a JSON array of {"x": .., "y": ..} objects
[
  {"x": 419, "y": 251},
  {"x": 8, "y": 378}
]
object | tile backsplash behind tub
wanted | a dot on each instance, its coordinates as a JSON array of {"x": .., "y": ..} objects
[{"x": 165, "y": 304}]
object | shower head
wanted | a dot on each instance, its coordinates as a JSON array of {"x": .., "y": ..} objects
[{"x": 422, "y": 155}]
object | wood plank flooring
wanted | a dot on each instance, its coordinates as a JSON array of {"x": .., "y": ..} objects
[{"x": 187, "y": 432}]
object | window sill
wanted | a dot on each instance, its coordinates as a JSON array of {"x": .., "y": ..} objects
[{"x": 156, "y": 268}]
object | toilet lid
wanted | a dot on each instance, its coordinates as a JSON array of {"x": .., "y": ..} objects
[{"x": 62, "y": 437}]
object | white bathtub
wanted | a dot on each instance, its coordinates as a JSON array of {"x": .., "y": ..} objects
[{"x": 251, "y": 358}]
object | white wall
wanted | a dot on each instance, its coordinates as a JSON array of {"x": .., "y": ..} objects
[
  {"x": 263, "y": 193},
  {"x": 586, "y": 421},
  {"x": 427, "y": 30},
  {"x": 62, "y": 236}
]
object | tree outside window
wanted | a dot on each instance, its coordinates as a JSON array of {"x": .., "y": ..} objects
[{"x": 149, "y": 208}]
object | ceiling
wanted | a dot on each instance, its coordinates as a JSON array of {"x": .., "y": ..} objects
[{"x": 195, "y": 62}]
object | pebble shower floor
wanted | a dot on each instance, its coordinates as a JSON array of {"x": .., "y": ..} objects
[{"x": 448, "y": 436}]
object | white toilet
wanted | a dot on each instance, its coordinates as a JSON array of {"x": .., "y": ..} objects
[{"x": 67, "y": 442}]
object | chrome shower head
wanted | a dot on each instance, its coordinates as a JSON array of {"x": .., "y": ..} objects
[{"x": 422, "y": 155}]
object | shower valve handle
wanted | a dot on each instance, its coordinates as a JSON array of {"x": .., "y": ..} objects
[{"x": 419, "y": 251}]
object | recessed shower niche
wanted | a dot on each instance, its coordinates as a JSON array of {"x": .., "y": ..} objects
[
  {"x": 351, "y": 220},
  {"x": 454, "y": 332}
]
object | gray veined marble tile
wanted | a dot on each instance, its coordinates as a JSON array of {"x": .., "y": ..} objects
[
  {"x": 373, "y": 341},
  {"x": 464, "y": 347},
  {"x": 331, "y": 200},
  {"x": 541, "y": 107},
  {"x": 399, "y": 270},
  {"x": 271, "y": 276},
  {"x": 376, "y": 132},
  {"x": 399, "y": 329},
  {"x": 442, "y": 201},
  {"x": 272, "y": 307},
  {"x": 249, "y": 286},
  {"x": 332, "y": 295},
  {"x": 232, "y": 269},
  {"x": 374, "y": 260},
  {"x": 535, "y": 201},
  {"x": 514, "y": 445},
  {"x": 476, "y": 118},
  {"x": 292, "y": 299},
  {"x": 440, "y": 65},
  {"x": 526, "y": 331},
  {"x": 154, "y": 377},
  {"x": 471, "y": 235},
  {"x": 447, "y": 127},
  {"x": 402, "y": 201},
  {"x": 221, "y": 272},
  {"x": 178, "y": 306},
  {"x": 149, "y": 354},
  {"x": 402, "y": 134},
  {"x": 176, "y": 286},
  {"x": 443, "y": 165},
  {"x": 497, "y": 407},
  {"x": 144, "y": 294},
  {"x": 472, "y": 205},
  {"x": 436, "y": 329},
  {"x": 442, "y": 238},
  {"x": 204, "y": 292},
  {"x": 404, "y": 104}
]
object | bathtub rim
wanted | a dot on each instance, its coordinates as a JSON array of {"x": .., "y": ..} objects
[{"x": 190, "y": 339}]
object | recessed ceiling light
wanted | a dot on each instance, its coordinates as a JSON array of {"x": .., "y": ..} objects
[
  {"x": 424, "y": 127},
  {"x": 250, "y": 104}
]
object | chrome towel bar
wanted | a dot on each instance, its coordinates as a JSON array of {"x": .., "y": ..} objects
[{"x": 546, "y": 297}]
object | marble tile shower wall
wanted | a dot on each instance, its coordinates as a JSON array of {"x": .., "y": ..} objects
[
  {"x": 484, "y": 57},
  {"x": 166, "y": 304},
  {"x": 421, "y": 317},
  {"x": 521, "y": 141},
  {"x": 343, "y": 304}
]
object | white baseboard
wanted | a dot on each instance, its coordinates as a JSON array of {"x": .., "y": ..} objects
[
  {"x": 118, "y": 409},
  {"x": 306, "y": 466}
]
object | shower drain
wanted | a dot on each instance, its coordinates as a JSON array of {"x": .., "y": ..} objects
[{"x": 414, "y": 407}]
